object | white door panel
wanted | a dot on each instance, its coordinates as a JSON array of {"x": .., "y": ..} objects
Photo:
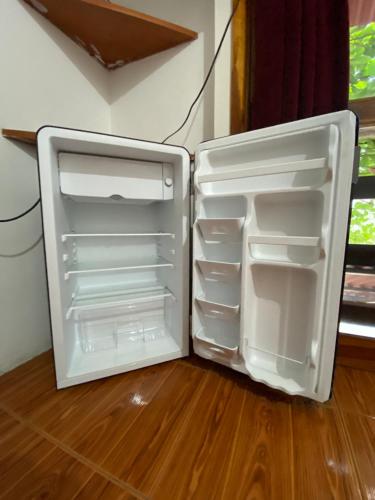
[{"x": 274, "y": 203}]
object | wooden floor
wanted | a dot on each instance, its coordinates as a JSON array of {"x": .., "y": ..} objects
[{"x": 183, "y": 429}]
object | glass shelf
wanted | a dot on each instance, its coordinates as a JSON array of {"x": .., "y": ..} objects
[
  {"x": 107, "y": 298},
  {"x": 138, "y": 264}
]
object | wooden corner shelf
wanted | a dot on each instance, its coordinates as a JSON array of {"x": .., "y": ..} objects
[
  {"x": 113, "y": 34},
  {"x": 28, "y": 137},
  {"x": 20, "y": 135}
]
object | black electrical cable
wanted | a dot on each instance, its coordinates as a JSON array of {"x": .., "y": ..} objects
[
  {"x": 208, "y": 75},
  {"x": 23, "y": 213}
]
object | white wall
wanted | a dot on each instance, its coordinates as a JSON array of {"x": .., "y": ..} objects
[
  {"x": 45, "y": 79},
  {"x": 150, "y": 98},
  {"x": 223, "y": 69}
]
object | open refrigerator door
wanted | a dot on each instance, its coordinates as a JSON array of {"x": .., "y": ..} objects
[{"x": 272, "y": 211}]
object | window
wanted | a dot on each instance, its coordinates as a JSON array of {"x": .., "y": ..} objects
[
  {"x": 362, "y": 96},
  {"x": 362, "y": 226},
  {"x": 362, "y": 61},
  {"x": 359, "y": 291}
]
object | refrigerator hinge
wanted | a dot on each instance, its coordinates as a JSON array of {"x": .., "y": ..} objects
[
  {"x": 192, "y": 169},
  {"x": 356, "y": 161}
]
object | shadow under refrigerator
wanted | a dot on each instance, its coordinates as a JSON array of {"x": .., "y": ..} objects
[{"x": 269, "y": 210}]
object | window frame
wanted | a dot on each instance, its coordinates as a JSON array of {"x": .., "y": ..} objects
[{"x": 364, "y": 188}]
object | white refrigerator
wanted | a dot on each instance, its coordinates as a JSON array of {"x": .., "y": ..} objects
[{"x": 269, "y": 212}]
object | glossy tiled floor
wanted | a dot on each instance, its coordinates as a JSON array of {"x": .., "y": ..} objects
[{"x": 184, "y": 429}]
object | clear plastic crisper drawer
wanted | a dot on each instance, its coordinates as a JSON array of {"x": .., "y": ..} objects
[
  {"x": 118, "y": 327},
  {"x": 97, "y": 335}
]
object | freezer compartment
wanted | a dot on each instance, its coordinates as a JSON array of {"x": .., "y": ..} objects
[
  {"x": 280, "y": 323},
  {"x": 114, "y": 180}
]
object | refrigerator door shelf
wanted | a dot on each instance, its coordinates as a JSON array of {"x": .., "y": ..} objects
[
  {"x": 298, "y": 249},
  {"x": 265, "y": 169},
  {"x": 214, "y": 349},
  {"x": 221, "y": 229},
  {"x": 272, "y": 369},
  {"x": 301, "y": 241},
  {"x": 219, "y": 271},
  {"x": 217, "y": 310}
]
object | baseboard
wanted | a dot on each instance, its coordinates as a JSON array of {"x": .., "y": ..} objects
[{"x": 356, "y": 352}]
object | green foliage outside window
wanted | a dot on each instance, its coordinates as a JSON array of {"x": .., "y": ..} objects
[
  {"x": 367, "y": 160},
  {"x": 362, "y": 61},
  {"x": 362, "y": 224},
  {"x": 362, "y": 84}
]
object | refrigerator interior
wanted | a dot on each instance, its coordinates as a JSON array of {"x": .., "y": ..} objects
[
  {"x": 269, "y": 240},
  {"x": 116, "y": 235}
]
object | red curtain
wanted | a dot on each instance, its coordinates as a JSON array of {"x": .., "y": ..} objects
[{"x": 300, "y": 60}]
